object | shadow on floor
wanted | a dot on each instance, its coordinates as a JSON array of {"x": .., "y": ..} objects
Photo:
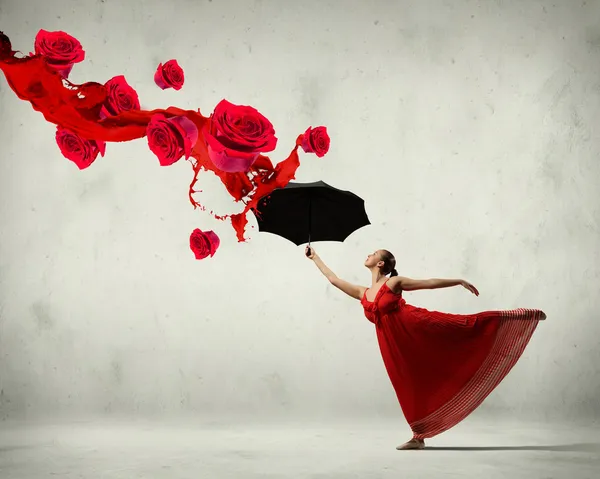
[{"x": 580, "y": 447}]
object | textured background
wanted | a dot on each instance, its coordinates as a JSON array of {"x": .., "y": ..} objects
[{"x": 470, "y": 128}]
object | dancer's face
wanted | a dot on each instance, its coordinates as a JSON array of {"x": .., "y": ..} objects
[{"x": 374, "y": 259}]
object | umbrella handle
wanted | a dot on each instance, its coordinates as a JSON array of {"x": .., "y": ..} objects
[{"x": 309, "y": 251}]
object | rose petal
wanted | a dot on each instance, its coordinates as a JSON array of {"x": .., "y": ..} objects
[
  {"x": 174, "y": 74},
  {"x": 231, "y": 164},
  {"x": 101, "y": 145},
  {"x": 305, "y": 142},
  {"x": 214, "y": 241},
  {"x": 189, "y": 133},
  {"x": 159, "y": 78},
  {"x": 64, "y": 72}
]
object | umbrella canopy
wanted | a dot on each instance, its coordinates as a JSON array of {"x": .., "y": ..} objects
[{"x": 305, "y": 212}]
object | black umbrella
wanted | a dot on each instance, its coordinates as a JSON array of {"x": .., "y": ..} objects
[{"x": 305, "y": 212}]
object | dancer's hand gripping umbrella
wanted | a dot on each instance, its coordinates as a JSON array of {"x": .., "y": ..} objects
[{"x": 305, "y": 212}]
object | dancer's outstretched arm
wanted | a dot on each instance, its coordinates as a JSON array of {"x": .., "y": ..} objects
[
  {"x": 401, "y": 283},
  {"x": 350, "y": 289}
]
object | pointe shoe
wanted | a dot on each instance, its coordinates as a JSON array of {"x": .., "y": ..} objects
[{"x": 412, "y": 444}]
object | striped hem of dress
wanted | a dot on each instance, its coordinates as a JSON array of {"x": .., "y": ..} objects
[{"x": 515, "y": 330}]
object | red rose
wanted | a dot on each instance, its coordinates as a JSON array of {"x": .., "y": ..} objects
[
  {"x": 204, "y": 243},
  {"x": 169, "y": 75},
  {"x": 60, "y": 50},
  {"x": 80, "y": 151},
  {"x": 236, "y": 135},
  {"x": 316, "y": 140},
  {"x": 171, "y": 138},
  {"x": 119, "y": 97}
]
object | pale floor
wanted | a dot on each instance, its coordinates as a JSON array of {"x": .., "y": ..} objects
[{"x": 363, "y": 450}]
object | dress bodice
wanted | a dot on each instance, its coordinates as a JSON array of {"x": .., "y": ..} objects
[{"x": 385, "y": 302}]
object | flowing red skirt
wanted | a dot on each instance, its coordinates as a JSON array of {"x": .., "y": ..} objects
[{"x": 442, "y": 366}]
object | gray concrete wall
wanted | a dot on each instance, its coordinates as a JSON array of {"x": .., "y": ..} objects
[{"x": 470, "y": 128}]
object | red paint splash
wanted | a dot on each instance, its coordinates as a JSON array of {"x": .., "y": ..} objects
[{"x": 77, "y": 109}]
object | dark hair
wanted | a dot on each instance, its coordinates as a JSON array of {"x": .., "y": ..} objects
[{"x": 389, "y": 263}]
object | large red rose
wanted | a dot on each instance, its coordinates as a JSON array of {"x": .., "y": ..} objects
[
  {"x": 80, "y": 151},
  {"x": 119, "y": 97},
  {"x": 171, "y": 138},
  {"x": 169, "y": 75},
  {"x": 236, "y": 135},
  {"x": 204, "y": 243},
  {"x": 316, "y": 140},
  {"x": 60, "y": 50}
]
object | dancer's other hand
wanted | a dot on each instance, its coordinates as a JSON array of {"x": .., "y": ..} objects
[
  {"x": 469, "y": 286},
  {"x": 310, "y": 252}
]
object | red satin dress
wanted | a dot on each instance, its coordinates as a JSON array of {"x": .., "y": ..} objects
[{"x": 442, "y": 366}]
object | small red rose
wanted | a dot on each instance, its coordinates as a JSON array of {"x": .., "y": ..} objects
[
  {"x": 120, "y": 96},
  {"x": 60, "y": 50},
  {"x": 80, "y": 151},
  {"x": 171, "y": 138},
  {"x": 236, "y": 135},
  {"x": 316, "y": 140},
  {"x": 204, "y": 243},
  {"x": 169, "y": 75}
]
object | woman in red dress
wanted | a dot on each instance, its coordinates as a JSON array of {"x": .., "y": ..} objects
[{"x": 442, "y": 366}]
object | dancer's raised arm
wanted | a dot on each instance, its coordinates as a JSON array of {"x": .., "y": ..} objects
[
  {"x": 350, "y": 289},
  {"x": 401, "y": 283}
]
